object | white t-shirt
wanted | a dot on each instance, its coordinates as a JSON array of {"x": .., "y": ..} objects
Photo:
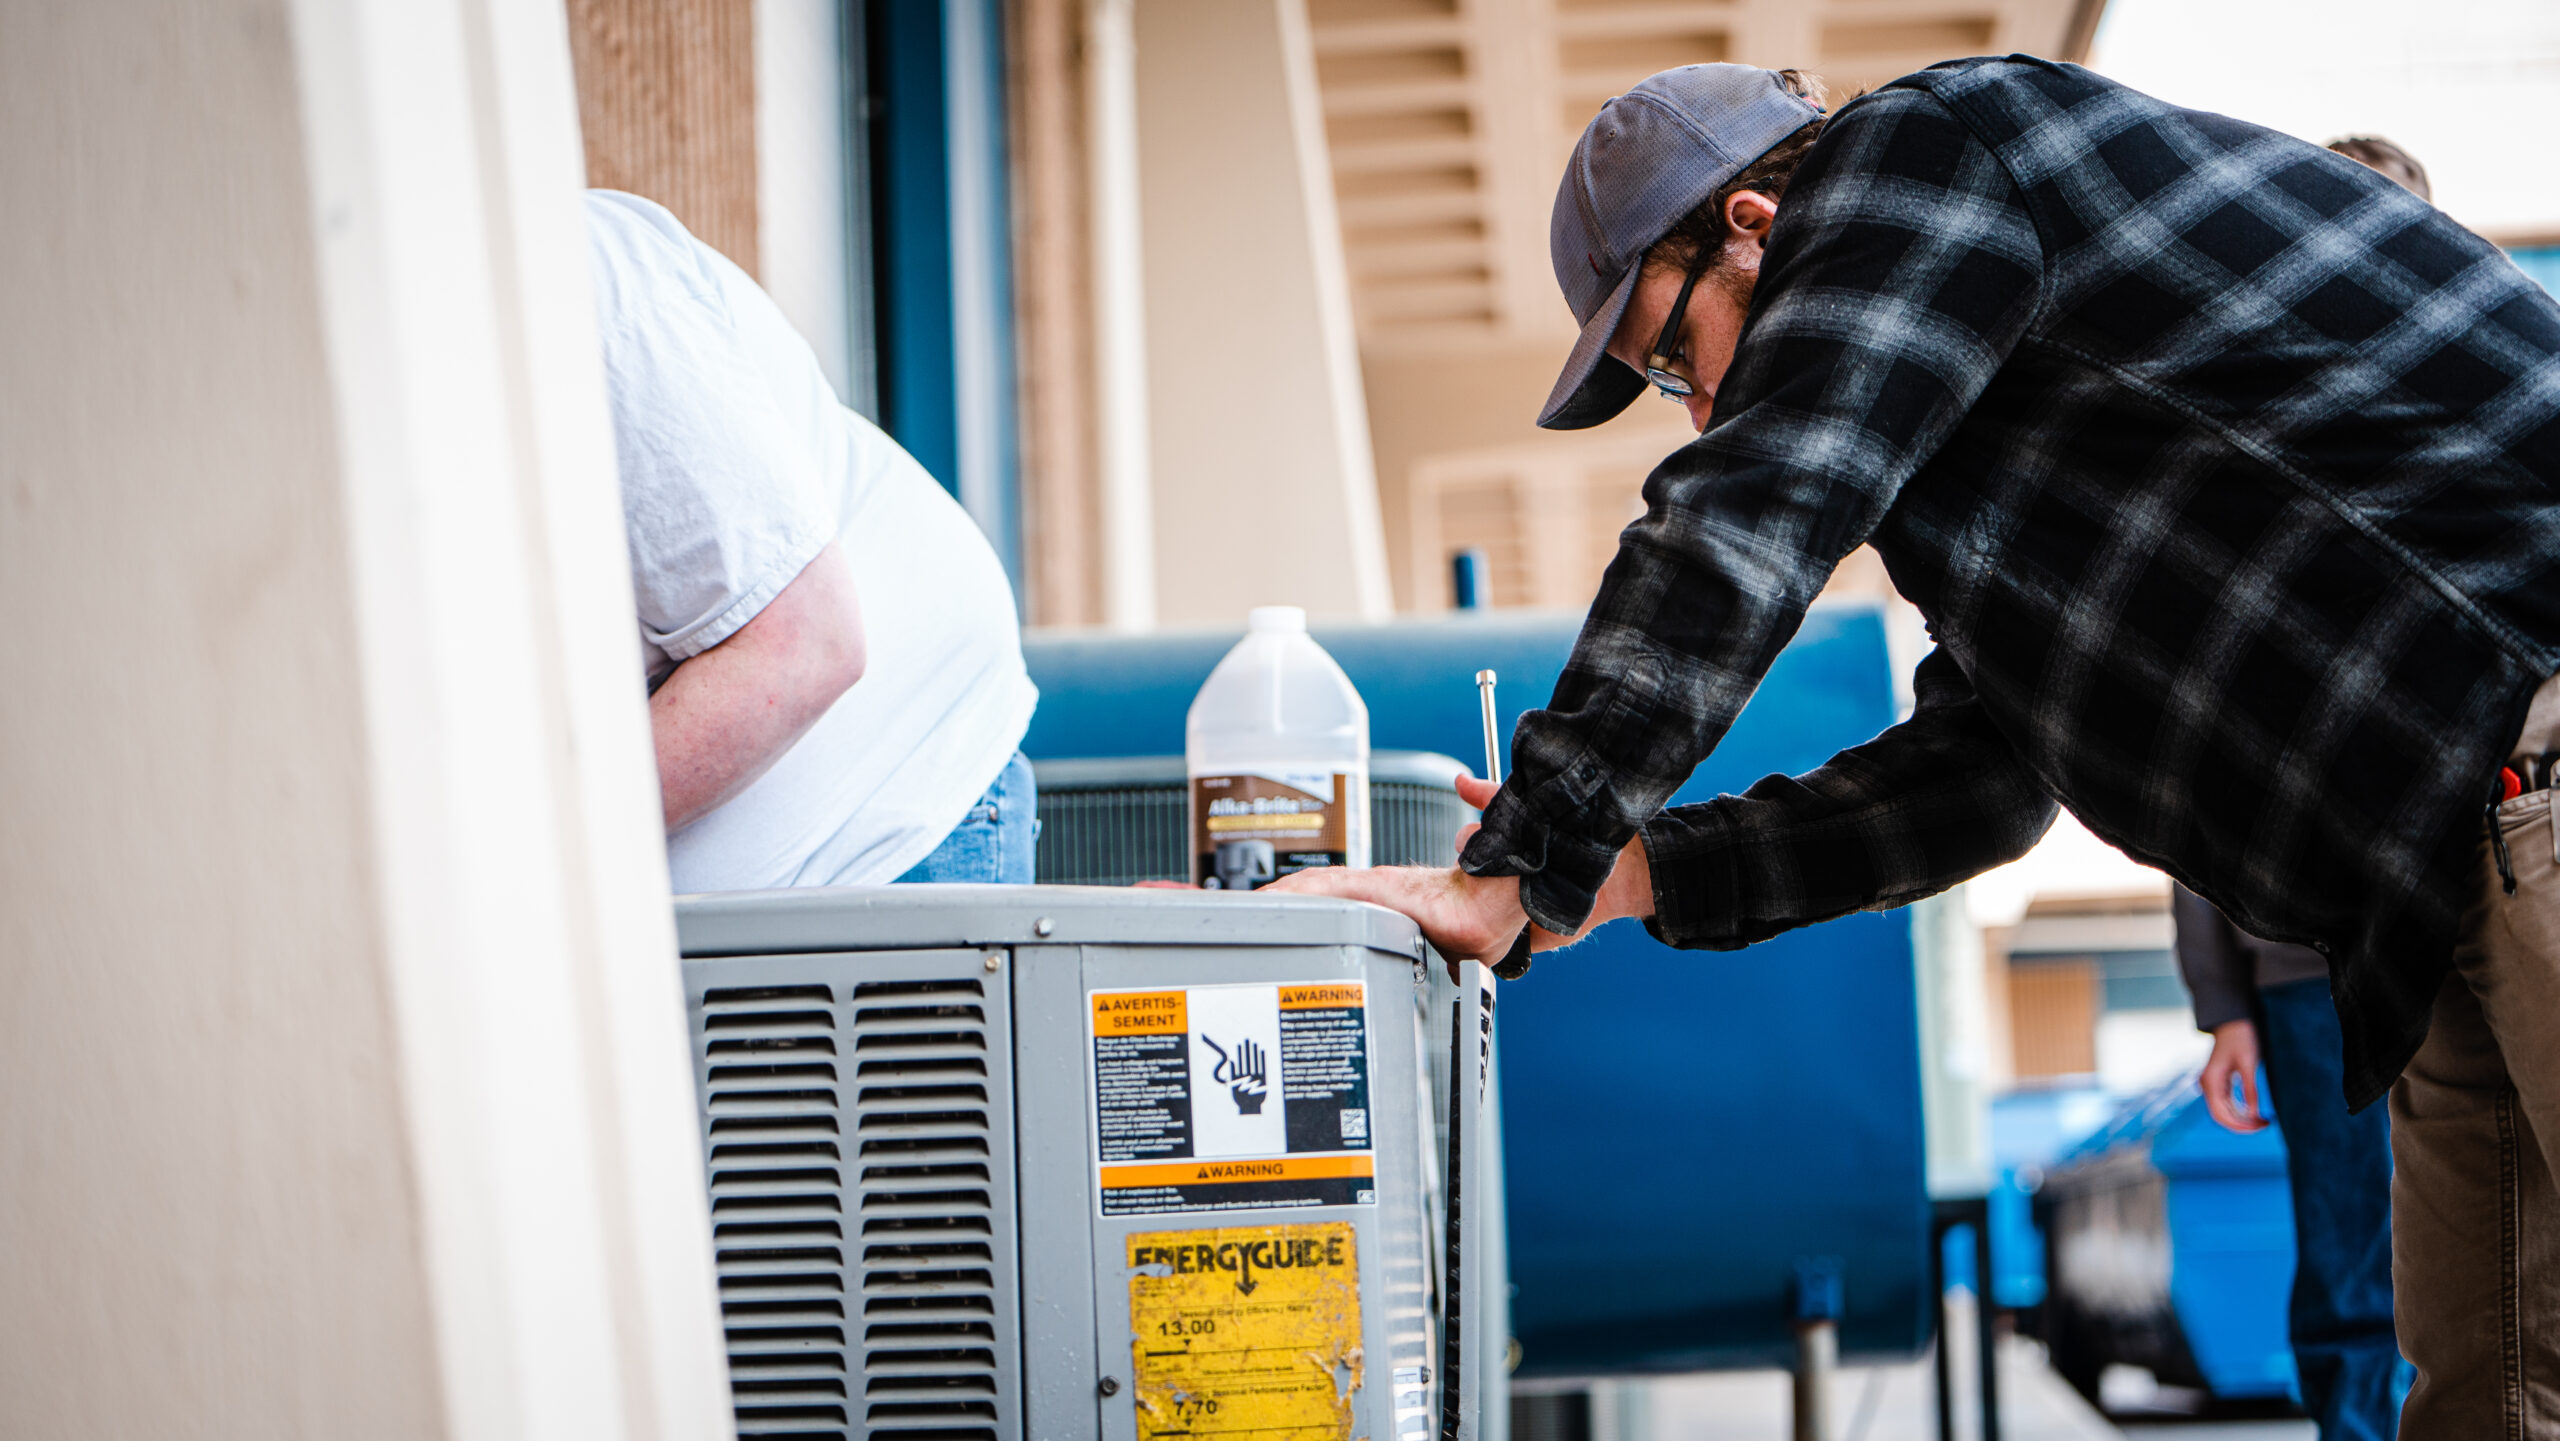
[{"x": 738, "y": 465}]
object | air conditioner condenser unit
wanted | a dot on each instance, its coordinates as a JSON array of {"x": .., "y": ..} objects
[{"x": 998, "y": 1163}]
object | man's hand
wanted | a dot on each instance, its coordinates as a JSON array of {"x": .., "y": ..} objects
[
  {"x": 728, "y": 714},
  {"x": 1469, "y": 917},
  {"x": 1464, "y": 917},
  {"x": 2234, "y": 1059}
]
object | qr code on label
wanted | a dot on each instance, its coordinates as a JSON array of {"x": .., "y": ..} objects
[{"x": 1355, "y": 1123}]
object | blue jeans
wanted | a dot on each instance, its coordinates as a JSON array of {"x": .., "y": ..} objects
[
  {"x": 2340, "y": 1165},
  {"x": 995, "y": 840}
]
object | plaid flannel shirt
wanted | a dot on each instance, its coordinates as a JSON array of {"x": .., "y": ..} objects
[{"x": 2225, "y": 472}]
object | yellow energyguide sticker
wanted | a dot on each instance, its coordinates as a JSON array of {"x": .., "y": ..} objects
[{"x": 1246, "y": 1330}]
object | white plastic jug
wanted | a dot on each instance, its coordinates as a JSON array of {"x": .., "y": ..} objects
[{"x": 1277, "y": 747}]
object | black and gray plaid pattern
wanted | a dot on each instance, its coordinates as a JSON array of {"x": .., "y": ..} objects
[{"x": 2226, "y": 472}]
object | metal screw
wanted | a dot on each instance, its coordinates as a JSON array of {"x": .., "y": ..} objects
[
  {"x": 1043, "y": 926},
  {"x": 995, "y": 961},
  {"x": 1110, "y": 1386}
]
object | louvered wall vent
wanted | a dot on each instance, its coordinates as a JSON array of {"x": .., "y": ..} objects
[{"x": 884, "y": 1308}]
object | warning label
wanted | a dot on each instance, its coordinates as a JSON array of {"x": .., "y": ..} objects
[
  {"x": 1260, "y": 1093},
  {"x": 1238, "y": 1185},
  {"x": 1246, "y": 1330}
]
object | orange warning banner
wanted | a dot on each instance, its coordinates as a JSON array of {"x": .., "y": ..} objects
[
  {"x": 1217, "y": 1173},
  {"x": 1140, "y": 1013},
  {"x": 1323, "y": 998}
]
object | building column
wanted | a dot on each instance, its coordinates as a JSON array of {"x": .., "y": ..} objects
[
  {"x": 343, "y": 1076},
  {"x": 1264, "y": 489}
]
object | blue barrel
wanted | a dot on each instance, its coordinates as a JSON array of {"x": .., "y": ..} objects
[{"x": 1681, "y": 1129}]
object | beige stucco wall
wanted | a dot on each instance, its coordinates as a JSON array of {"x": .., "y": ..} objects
[
  {"x": 1428, "y": 407},
  {"x": 342, "y": 1085}
]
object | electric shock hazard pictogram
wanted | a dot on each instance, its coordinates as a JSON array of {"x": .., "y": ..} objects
[
  {"x": 1247, "y": 1330},
  {"x": 1232, "y": 1098}
]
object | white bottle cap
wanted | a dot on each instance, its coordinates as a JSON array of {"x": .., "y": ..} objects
[{"x": 1276, "y": 619}]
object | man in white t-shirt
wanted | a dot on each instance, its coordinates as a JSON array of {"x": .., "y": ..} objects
[{"x": 835, "y": 674}]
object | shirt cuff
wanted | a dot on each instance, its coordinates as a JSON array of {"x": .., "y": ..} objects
[
  {"x": 1691, "y": 853},
  {"x": 1560, "y": 874},
  {"x": 710, "y": 630},
  {"x": 2216, "y": 1007}
]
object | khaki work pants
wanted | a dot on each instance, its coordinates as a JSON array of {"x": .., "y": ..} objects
[{"x": 2475, "y": 1144}]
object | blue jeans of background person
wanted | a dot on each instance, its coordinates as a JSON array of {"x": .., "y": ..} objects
[
  {"x": 995, "y": 840},
  {"x": 2340, "y": 1166}
]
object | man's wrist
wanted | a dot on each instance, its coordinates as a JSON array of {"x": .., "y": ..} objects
[
  {"x": 1629, "y": 890},
  {"x": 1560, "y": 875},
  {"x": 1506, "y": 894}
]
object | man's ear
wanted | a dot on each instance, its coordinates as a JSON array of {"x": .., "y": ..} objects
[{"x": 1748, "y": 215}]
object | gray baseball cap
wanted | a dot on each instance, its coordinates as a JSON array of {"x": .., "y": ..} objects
[{"x": 1649, "y": 157}]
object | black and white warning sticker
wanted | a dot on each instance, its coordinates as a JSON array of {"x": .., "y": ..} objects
[{"x": 1232, "y": 1098}]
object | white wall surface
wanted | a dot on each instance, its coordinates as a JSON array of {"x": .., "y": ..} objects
[
  {"x": 2069, "y": 861},
  {"x": 2470, "y": 87},
  {"x": 1123, "y": 439},
  {"x": 2140, "y": 1049},
  {"x": 342, "y": 1076},
  {"x": 1264, "y": 489},
  {"x": 800, "y": 179}
]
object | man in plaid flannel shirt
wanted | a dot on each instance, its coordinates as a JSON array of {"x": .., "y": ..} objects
[{"x": 2227, "y": 475}]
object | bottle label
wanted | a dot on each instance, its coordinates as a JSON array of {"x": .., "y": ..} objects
[{"x": 1247, "y": 830}]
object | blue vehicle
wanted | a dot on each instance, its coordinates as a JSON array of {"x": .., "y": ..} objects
[{"x": 2169, "y": 1246}]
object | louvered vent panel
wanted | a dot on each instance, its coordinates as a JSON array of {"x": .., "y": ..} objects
[
  {"x": 1117, "y": 822},
  {"x": 923, "y": 1111},
  {"x": 1111, "y": 835},
  {"x": 862, "y": 1197},
  {"x": 774, "y": 1065},
  {"x": 1414, "y": 825}
]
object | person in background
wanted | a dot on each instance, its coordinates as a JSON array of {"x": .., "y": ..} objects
[
  {"x": 2266, "y": 1003},
  {"x": 2384, "y": 158},
  {"x": 836, "y": 686},
  {"x": 2226, "y": 475}
]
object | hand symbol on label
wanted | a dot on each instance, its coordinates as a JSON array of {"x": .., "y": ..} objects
[{"x": 1246, "y": 1074}]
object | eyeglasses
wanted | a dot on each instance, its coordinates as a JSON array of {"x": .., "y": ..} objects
[{"x": 1666, "y": 349}]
